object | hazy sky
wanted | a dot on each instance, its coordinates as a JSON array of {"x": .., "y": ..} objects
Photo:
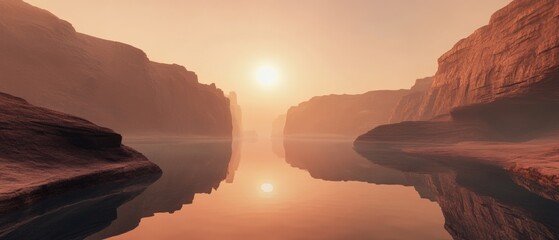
[{"x": 318, "y": 46}]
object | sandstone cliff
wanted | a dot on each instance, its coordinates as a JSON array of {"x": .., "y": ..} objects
[
  {"x": 45, "y": 61},
  {"x": 342, "y": 115},
  {"x": 409, "y": 104},
  {"x": 499, "y": 84},
  {"x": 515, "y": 55},
  {"x": 46, "y": 153}
]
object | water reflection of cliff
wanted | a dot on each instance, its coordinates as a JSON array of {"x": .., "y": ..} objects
[
  {"x": 188, "y": 169},
  {"x": 337, "y": 161},
  {"x": 478, "y": 201},
  {"x": 237, "y": 145},
  {"x": 277, "y": 146},
  {"x": 74, "y": 215}
]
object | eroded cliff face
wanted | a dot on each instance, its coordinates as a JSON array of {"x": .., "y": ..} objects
[
  {"x": 515, "y": 53},
  {"x": 408, "y": 105},
  {"x": 46, "y": 153},
  {"x": 44, "y": 60},
  {"x": 342, "y": 115},
  {"x": 501, "y": 83}
]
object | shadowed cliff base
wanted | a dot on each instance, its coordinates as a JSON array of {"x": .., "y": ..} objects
[
  {"x": 518, "y": 134},
  {"x": 46, "y": 153}
]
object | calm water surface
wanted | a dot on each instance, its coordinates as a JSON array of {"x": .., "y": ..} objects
[
  {"x": 206, "y": 194},
  {"x": 294, "y": 190}
]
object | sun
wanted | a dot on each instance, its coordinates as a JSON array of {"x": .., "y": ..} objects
[
  {"x": 267, "y": 76},
  {"x": 267, "y": 187}
]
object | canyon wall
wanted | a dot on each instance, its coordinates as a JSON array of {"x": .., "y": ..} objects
[
  {"x": 501, "y": 83},
  {"x": 342, "y": 115},
  {"x": 408, "y": 105},
  {"x": 45, "y": 61},
  {"x": 516, "y": 55}
]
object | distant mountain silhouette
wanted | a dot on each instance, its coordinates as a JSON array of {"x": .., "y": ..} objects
[
  {"x": 236, "y": 114},
  {"x": 342, "y": 115}
]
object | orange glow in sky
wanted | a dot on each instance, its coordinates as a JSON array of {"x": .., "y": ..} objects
[
  {"x": 267, "y": 187},
  {"x": 318, "y": 46},
  {"x": 267, "y": 76}
]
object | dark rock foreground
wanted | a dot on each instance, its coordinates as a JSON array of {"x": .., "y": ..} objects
[{"x": 46, "y": 153}]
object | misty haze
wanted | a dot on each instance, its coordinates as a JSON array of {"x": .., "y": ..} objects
[{"x": 307, "y": 119}]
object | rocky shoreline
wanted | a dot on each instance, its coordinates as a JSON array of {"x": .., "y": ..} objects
[{"x": 46, "y": 153}]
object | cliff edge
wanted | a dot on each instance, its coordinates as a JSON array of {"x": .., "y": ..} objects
[{"x": 494, "y": 98}]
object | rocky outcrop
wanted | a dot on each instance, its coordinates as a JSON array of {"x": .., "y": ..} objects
[
  {"x": 342, "y": 115},
  {"x": 427, "y": 132},
  {"x": 515, "y": 55},
  {"x": 409, "y": 104},
  {"x": 46, "y": 153},
  {"x": 44, "y": 60}
]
